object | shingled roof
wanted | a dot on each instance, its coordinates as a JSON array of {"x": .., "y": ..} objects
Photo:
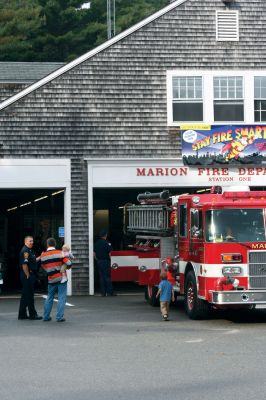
[{"x": 26, "y": 72}]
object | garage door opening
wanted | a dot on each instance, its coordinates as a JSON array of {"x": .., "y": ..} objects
[
  {"x": 35, "y": 212},
  {"x": 108, "y": 214}
]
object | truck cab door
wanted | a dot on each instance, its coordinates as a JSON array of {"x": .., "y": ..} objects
[
  {"x": 196, "y": 247},
  {"x": 196, "y": 236}
]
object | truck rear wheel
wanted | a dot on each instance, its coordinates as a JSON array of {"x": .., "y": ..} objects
[
  {"x": 150, "y": 295},
  {"x": 195, "y": 307}
]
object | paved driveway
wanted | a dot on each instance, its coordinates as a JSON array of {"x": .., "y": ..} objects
[{"x": 118, "y": 348}]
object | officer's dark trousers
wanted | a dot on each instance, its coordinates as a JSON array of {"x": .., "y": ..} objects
[
  {"x": 27, "y": 297},
  {"x": 105, "y": 277}
]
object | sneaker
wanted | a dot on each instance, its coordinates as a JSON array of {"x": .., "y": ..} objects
[
  {"x": 61, "y": 320},
  {"x": 48, "y": 319},
  {"x": 64, "y": 279},
  {"x": 165, "y": 317}
]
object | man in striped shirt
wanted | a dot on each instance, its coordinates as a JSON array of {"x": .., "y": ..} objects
[{"x": 52, "y": 261}]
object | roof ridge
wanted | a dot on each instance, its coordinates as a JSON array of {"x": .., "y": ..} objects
[{"x": 89, "y": 54}]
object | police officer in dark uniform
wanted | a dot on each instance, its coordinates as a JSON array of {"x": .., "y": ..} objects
[
  {"x": 28, "y": 273},
  {"x": 102, "y": 251}
]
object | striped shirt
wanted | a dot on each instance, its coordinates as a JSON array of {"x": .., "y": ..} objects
[{"x": 52, "y": 261}]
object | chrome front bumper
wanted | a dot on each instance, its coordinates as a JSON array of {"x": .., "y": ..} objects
[{"x": 239, "y": 297}]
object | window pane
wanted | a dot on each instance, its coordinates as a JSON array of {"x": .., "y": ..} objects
[
  {"x": 239, "y": 81},
  {"x": 263, "y": 116},
  {"x": 231, "y": 82},
  {"x": 175, "y": 81},
  {"x": 231, "y": 93},
  {"x": 183, "y": 220},
  {"x": 263, "y": 105},
  {"x": 257, "y": 105},
  {"x": 257, "y": 116},
  {"x": 188, "y": 112},
  {"x": 223, "y": 83},
  {"x": 263, "y": 93},
  {"x": 239, "y": 93},
  {"x": 190, "y": 92},
  {"x": 176, "y": 93},
  {"x": 183, "y": 94},
  {"x": 228, "y": 111},
  {"x": 257, "y": 93},
  {"x": 260, "y": 87},
  {"x": 216, "y": 92}
]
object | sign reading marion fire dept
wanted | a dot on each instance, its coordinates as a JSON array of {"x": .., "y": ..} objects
[
  {"x": 205, "y": 175},
  {"x": 171, "y": 173},
  {"x": 227, "y": 144}
]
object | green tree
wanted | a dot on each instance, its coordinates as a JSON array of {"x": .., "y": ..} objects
[
  {"x": 59, "y": 30},
  {"x": 20, "y": 21}
]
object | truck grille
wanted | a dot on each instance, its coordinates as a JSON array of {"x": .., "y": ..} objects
[{"x": 257, "y": 269}]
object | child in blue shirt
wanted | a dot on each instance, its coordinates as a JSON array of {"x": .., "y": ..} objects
[{"x": 166, "y": 293}]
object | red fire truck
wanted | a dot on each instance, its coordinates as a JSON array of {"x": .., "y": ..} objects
[{"x": 212, "y": 245}]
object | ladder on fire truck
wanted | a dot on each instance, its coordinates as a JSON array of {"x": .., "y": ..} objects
[{"x": 150, "y": 216}]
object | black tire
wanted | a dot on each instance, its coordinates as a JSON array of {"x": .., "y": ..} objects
[
  {"x": 195, "y": 307},
  {"x": 150, "y": 295}
]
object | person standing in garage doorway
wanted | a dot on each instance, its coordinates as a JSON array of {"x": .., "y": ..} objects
[
  {"x": 102, "y": 251},
  {"x": 28, "y": 273}
]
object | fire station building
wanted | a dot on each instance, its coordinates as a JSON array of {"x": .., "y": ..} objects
[{"x": 176, "y": 102}]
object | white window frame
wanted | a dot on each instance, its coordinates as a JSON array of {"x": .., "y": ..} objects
[
  {"x": 242, "y": 99},
  {"x": 258, "y": 98},
  {"x": 190, "y": 100},
  {"x": 208, "y": 94}
]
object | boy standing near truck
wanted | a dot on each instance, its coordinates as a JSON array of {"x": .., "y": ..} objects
[{"x": 166, "y": 293}]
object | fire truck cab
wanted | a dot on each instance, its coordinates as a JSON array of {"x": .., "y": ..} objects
[{"x": 213, "y": 247}]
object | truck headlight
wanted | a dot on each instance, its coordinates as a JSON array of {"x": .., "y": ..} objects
[{"x": 231, "y": 270}]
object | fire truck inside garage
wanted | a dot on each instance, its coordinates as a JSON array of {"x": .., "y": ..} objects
[
  {"x": 36, "y": 212},
  {"x": 180, "y": 234}
]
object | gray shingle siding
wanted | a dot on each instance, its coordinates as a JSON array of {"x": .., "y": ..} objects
[
  {"x": 9, "y": 89},
  {"x": 114, "y": 104}
]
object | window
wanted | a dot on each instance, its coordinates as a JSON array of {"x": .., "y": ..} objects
[
  {"x": 215, "y": 97},
  {"x": 227, "y": 26},
  {"x": 196, "y": 223},
  {"x": 228, "y": 98},
  {"x": 187, "y": 99},
  {"x": 235, "y": 225},
  {"x": 183, "y": 220},
  {"x": 260, "y": 98}
]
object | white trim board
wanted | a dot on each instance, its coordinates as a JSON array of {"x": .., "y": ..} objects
[{"x": 41, "y": 174}]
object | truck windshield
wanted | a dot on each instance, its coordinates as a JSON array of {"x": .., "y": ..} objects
[{"x": 235, "y": 225}]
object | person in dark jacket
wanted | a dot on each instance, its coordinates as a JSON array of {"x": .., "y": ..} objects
[
  {"x": 102, "y": 251},
  {"x": 28, "y": 273}
]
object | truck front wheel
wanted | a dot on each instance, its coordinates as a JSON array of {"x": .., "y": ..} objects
[
  {"x": 150, "y": 295},
  {"x": 195, "y": 307}
]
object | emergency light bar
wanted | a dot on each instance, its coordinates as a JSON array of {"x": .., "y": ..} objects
[{"x": 244, "y": 195}]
